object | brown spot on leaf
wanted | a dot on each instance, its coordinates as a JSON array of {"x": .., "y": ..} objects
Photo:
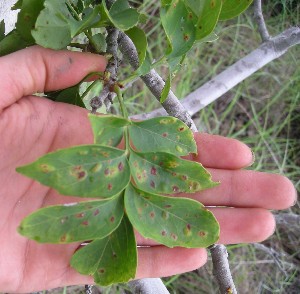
[
  {"x": 152, "y": 184},
  {"x": 85, "y": 223},
  {"x": 186, "y": 37},
  {"x": 163, "y": 233},
  {"x": 153, "y": 171},
  {"x": 174, "y": 236},
  {"x": 201, "y": 234},
  {"x": 152, "y": 214},
  {"x": 165, "y": 135},
  {"x": 106, "y": 171},
  {"x": 168, "y": 206},
  {"x": 174, "y": 174},
  {"x": 79, "y": 215},
  {"x": 181, "y": 129},
  {"x": 109, "y": 186},
  {"x": 96, "y": 212},
  {"x": 101, "y": 270},
  {"x": 112, "y": 219},
  {"x": 184, "y": 178},
  {"x": 81, "y": 175}
]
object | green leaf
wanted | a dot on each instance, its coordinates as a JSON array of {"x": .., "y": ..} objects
[
  {"x": 27, "y": 17},
  {"x": 2, "y": 30},
  {"x": 91, "y": 17},
  {"x": 12, "y": 42},
  {"x": 232, "y": 8},
  {"x": 165, "y": 134},
  {"x": 110, "y": 260},
  {"x": 171, "y": 221},
  {"x": 207, "y": 18},
  {"x": 17, "y": 5},
  {"x": 158, "y": 172},
  {"x": 99, "y": 42},
  {"x": 122, "y": 15},
  {"x": 166, "y": 89},
  {"x": 108, "y": 130},
  {"x": 71, "y": 96},
  {"x": 84, "y": 171},
  {"x": 139, "y": 39},
  {"x": 73, "y": 222},
  {"x": 53, "y": 25},
  {"x": 179, "y": 27}
]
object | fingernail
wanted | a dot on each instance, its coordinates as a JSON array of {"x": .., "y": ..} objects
[{"x": 253, "y": 157}]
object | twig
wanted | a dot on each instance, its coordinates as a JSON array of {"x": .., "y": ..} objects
[
  {"x": 148, "y": 286},
  {"x": 235, "y": 74},
  {"x": 259, "y": 18},
  {"x": 221, "y": 269},
  {"x": 173, "y": 107}
]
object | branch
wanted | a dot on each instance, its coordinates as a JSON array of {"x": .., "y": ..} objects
[
  {"x": 259, "y": 18},
  {"x": 155, "y": 83},
  {"x": 236, "y": 73},
  {"x": 148, "y": 286},
  {"x": 221, "y": 269},
  {"x": 174, "y": 108}
]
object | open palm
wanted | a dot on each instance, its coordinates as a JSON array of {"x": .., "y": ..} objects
[{"x": 31, "y": 126}]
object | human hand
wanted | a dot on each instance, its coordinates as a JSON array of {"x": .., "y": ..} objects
[{"x": 32, "y": 126}]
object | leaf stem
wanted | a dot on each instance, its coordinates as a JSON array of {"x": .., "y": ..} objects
[
  {"x": 125, "y": 115},
  {"x": 70, "y": 6},
  {"x": 89, "y": 88}
]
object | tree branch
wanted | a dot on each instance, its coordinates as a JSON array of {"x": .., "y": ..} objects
[
  {"x": 221, "y": 269},
  {"x": 259, "y": 18},
  {"x": 235, "y": 74},
  {"x": 148, "y": 286}
]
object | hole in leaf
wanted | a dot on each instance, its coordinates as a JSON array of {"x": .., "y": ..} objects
[{"x": 175, "y": 189}]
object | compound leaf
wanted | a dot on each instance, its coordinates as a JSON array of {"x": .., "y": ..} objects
[
  {"x": 159, "y": 172},
  {"x": 165, "y": 134},
  {"x": 171, "y": 221},
  {"x": 108, "y": 130},
  {"x": 84, "y": 171},
  {"x": 73, "y": 222},
  {"x": 110, "y": 260},
  {"x": 232, "y": 8}
]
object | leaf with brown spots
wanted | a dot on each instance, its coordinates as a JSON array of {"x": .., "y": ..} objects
[
  {"x": 73, "y": 222},
  {"x": 160, "y": 172},
  {"x": 165, "y": 134},
  {"x": 110, "y": 260},
  {"x": 108, "y": 129},
  {"x": 171, "y": 221},
  {"x": 84, "y": 171}
]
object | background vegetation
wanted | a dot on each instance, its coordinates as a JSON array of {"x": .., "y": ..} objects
[{"x": 263, "y": 112}]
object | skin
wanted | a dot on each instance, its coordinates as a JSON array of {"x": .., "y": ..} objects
[{"x": 31, "y": 126}]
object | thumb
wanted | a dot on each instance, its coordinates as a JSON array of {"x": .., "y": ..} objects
[{"x": 37, "y": 69}]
